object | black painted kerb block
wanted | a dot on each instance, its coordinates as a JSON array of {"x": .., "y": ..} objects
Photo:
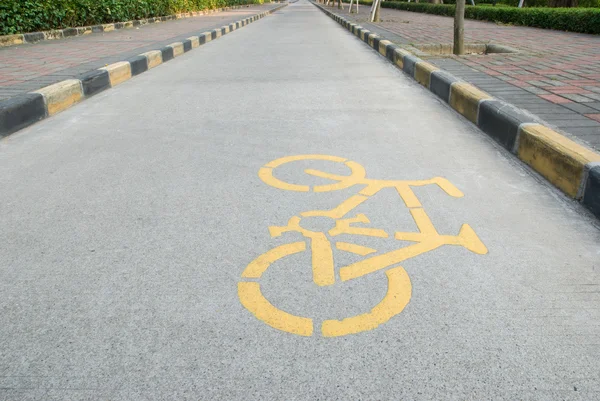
[
  {"x": 94, "y": 82},
  {"x": 20, "y": 111},
  {"x": 591, "y": 196},
  {"x": 501, "y": 121},
  {"x": 389, "y": 52},
  {"x": 376, "y": 41},
  {"x": 440, "y": 82},
  {"x": 167, "y": 53},
  {"x": 34, "y": 37},
  {"x": 138, "y": 64},
  {"x": 408, "y": 64},
  {"x": 187, "y": 45},
  {"x": 67, "y": 32}
]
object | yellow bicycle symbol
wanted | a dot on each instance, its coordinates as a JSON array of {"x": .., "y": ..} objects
[{"x": 399, "y": 287}]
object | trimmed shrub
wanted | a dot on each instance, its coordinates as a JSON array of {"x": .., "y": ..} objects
[
  {"x": 22, "y": 16},
  {"x": 513, "y": 3},
  {"x": 582, "y": 20}
]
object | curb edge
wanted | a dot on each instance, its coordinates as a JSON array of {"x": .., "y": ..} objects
[
  {"x": 567, "y": 165},
  {"x": 26, "y": 109}
]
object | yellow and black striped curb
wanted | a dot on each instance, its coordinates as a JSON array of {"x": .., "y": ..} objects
[
  {"x": 23, "y": 110},
  {"x": 33, "y": 37},
  {"x": 572, "y": 168}
]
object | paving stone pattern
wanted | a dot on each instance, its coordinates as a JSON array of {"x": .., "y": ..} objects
[
  {"x": 555, "y": 75},
  {"x": 28, "y": 67}
]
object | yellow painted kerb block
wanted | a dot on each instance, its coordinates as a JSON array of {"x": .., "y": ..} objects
[
  {"x": 554, "y": 156},
  {"x": 363, "y": 33},
  {"x": 207, "y": 36},
  {"x": 383, "y": 45},
  {"x": 465, "y": 99},
  {"x": 10, "y": 40},
  {"x": 372, "y": 40},
  {"x": 195, "y": 41},
  {"x": 118, "y": 72},
  {"x": 61, "y": 95},
  {"x": 177, "y": 48},
  {"x": 154, "y": 58},
  {"x": 399, "y": 57},
  {"x": 423, "y": 72}
]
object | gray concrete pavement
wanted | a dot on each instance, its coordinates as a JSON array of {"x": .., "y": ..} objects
[{"x": 128, "y": 221}]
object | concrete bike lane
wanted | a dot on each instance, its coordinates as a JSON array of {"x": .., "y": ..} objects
[{"x": 278, "y": 217}]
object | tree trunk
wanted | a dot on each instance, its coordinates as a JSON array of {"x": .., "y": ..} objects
[
  {"x": 376, "y": 19},
  {"x": 459, "y": 28}
]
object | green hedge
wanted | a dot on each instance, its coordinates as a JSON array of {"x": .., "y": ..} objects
[
  {"x": 21, "y": 16},
  {"x": 583, "y": 20},
  {"x": 514, "y": 3},
  {"x": 531, "y": 3}
]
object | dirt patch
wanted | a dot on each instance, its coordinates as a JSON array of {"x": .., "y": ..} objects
[{"x": 438, "y": 49}]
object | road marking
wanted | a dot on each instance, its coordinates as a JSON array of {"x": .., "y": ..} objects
[
  {"x": 260, "y": 264},
  {"x": 397, "y": 297},
  {"x": 253, "y": 300},
  {"x": 357, "y": 249},
  {"x": 399, "y": 289}
]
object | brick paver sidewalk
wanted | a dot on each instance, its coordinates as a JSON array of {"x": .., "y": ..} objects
[
  {"x": 555, "y": 75},
  {"x": 28, "y": 67}
]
